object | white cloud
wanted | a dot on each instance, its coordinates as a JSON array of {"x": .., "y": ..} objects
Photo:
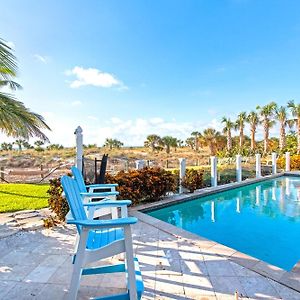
[
  {"x": 41, "y": 58},
  {"x": 76, "y": 103},
  {"x": 94, "y": 77},
  {"x": 93, "y": 118}
]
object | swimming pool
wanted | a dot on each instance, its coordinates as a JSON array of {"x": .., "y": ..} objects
[{"x": 261, "y": 220}]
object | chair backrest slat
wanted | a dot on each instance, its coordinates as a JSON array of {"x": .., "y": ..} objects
[
  {"x": 79, "y": 179},
  {"x": 73, "y": 197}
]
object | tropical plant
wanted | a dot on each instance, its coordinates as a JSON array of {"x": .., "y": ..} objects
[
  {"x": 16, "y": 120},
  {"x": 196, "y": 135},
  {"x": 55, "y": 147},
  {"x": 253, "y": 121},
  {"x": 153, "y": 142},
  {"x": 26, "y": 145},
  {"x": 240, "y": 125},
  {"x": 210, "y": 138},
  {"x": 266, "y": 113},
  {"x": 190, "y": 142},
  {"x": 193, "y": 180},
  {"x": 295, "y": 109},
  {"x": 113, "y": 143},
  {"x": 38, "y": 145},
  {"x": 228, "y": 126},
  {"x": 281, "y": 116},
  {"x": 6, "y": 146},
  {"x": 19, "y": 143},
  {"x": 168, "y": 142}
]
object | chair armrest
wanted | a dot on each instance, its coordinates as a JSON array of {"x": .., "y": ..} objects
[
  {"x": 105, "y": 185},
  {"x": 104, "y": 223},
  {"x": 98, "y": 195},
  {"x": 109, "y": 203}
]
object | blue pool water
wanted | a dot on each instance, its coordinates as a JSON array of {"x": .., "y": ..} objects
[{"x": 261, "y": 220}]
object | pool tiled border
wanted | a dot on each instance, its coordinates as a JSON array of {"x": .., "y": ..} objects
[{"x": 290, "y": 279}]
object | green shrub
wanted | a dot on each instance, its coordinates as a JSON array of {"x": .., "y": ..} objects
[
  {"x": 147, "y": 184},
  {"x": 57, "y": 203}
]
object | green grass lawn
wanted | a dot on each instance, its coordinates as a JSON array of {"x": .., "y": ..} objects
[{"x": 15, "y": 196}]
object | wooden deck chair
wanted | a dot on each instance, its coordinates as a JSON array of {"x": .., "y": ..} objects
[
  {"x": 101, "y": 239},
  {"x": 98, "y": 192}
]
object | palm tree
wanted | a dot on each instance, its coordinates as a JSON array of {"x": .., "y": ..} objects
[
  {"x": 19, "y": 143},
  {"x": 253, "y": 121},
  {"x": 240, "y": 125},
  {"x": 210, "y": 138},
  {"x": 168, "y": 142},
  {"x": 228, "y": 126},
  {"x": 112, "y": 143},
  {"x": 295, "y": 109},
  {"x": 266, "y": 113},
  {"x": 190, "y": 142},
  {"x": 196, "y": 135},
  {"x": 16, "y": 120},
  {"x": 281, "y": 115},
  {"x": 153, "y": 141}
]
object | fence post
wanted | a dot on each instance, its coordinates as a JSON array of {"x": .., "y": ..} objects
[
  {"x": 79, "y": 147},
  {"x": 258, "y": 165},
  {"x": 214, "y": 172},
  {"x": 182, "y": 170},
  {"x": 139, "y": 164},
  {"x": 274, "y": 164},
  {"x": 238, "y": 168},
  {"x": 287, "y": 162},
  {"x": 2, "y": 173}
]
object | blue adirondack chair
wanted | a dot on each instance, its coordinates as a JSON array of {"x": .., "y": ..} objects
[
  {"x": 91, "y": 193},
  {"x": 101, "y": 239}
]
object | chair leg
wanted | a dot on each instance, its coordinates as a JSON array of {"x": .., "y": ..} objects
[
  {"x": 76, "y": 275},
  {"x": 130, "y": 263}
]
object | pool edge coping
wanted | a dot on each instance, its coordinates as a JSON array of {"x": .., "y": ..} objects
[{"x": 275, "y": 273}]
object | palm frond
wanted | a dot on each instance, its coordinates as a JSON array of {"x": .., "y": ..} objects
[{"x": 18, "y": 121}]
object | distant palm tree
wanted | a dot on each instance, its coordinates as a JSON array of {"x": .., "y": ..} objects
[
  {"x": 112, "y": 143},
  {"x": 15, "y": 119},
  {"x": 19, "y": 143},
  {"x": 153, "y": 142},
  {"x": 210, "y": 138},
  {"x": 295, "y": 109},
  {"x": 190, "y": 142},
  {"x": 240, "y": 125},
  {"x": 228, "y": 126},
  {"x": 168, "y": 142},
  {"x": 266, "y": 113},
  {"x": 196, "y": 135},
  {"x": 253, "y": 121},
  {"x": 281, "y": 116}
]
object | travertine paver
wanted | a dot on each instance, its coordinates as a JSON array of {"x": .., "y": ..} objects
[{"x": 37, "y": 265}]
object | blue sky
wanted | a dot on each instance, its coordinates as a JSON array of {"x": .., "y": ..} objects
[{"x": 125, "y": 69}]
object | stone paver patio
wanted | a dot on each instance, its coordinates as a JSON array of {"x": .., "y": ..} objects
[{"x": 37, "y": 265}]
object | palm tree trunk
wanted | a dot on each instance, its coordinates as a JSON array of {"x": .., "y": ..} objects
[
  {"x": 196, "y": 143},
  {"x": 241, "y": 136},
  {"x": 253, "y": 129},
  {"x": 282, "y": 136},
  {"x": 229, "y": 140},
  {"x": 298, "y": 135},
  {"x": 266, "y": 137}
]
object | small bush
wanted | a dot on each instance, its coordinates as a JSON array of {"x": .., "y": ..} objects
[
  {"x": 57, "y": 203},
  {"x": 193, "y": 180},
  {"x": 295, "y": 162},
  {"x": 147, "y": 184}
]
